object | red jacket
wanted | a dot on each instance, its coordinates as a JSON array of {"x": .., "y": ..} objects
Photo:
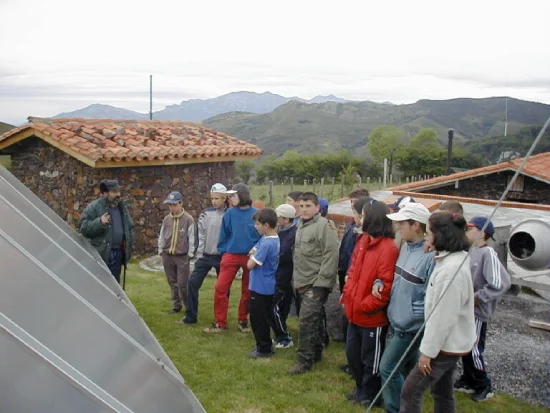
[{"x": 373, "y": 258}]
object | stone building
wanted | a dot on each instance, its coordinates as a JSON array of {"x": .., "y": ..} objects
[
  {"x": 531, "y": 187},
  {"x": 63, "y": 160}
]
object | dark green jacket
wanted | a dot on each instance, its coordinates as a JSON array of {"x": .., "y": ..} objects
[{"x": 100, "y": 235}]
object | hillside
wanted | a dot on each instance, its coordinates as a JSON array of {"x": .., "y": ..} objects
[
  {"x": 97, "y": 111},
  {"x": 332, "y": 126},
  {"x": 497, "y": 149},
  {"x": 199, "y": 109},
  {"x": 4, "y": 127}
]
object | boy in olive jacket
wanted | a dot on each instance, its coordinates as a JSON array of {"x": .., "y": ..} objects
[{"x": 315, "y": 270}]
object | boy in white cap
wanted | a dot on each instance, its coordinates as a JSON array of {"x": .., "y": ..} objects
[
  {"x": 284, "y": 291},
  {"x": 176, "y": 246},
  {"x": 406, "y": 309},
  {"x": 209, "y": 224}
]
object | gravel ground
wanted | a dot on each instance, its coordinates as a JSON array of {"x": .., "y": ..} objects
[{"x": 518, "y": 356}]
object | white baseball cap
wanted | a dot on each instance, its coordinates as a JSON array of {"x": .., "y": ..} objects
[
  {"x": 286, "y": 211},
  {"x": 218, "y": 189},
  {"x": 413, "y": 210}
]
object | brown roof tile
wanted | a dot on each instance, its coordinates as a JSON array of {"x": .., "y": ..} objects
[
  {"x": 105, "y": 140},
  {"x": 537, "y": 166}
]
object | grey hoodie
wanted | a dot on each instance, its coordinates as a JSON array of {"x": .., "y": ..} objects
[
  {"x": 412, "y": 272},
  {"x": 491, "y": 280},
  {"x": 209, "y": 224}
]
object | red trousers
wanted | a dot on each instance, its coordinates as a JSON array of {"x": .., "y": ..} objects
[{"x": 229, "y": 266}]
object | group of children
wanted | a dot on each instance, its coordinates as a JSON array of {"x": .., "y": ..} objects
[{"x": 390, "y": 290}]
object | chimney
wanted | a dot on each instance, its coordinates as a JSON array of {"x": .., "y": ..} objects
[{"x": 450, "y": 151}]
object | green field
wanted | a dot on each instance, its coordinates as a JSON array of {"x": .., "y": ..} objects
[
  {"x": 216, "y": 370},
  {"x": 279, "y": 191}
]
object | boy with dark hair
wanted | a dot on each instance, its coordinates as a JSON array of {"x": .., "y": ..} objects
[
  {"x": 491, "y": 281},
  {"x": 284, "y": 292},
  {"x": 263, "y": 262},
  {"x": 293, "y": 198},
  {"x": 176, "y": 246},
  {"x": 452, "y": 206},
  {"x": 315, "y": 267}
]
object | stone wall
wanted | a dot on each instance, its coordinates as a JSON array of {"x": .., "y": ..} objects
[
  {"x": 67, "y": 186},
  {"x": 492, "y": 186}
]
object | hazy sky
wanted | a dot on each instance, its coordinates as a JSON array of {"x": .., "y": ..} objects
[{"x": 61, "y": 55}]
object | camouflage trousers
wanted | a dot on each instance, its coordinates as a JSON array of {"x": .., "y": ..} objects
[{"x": 311, "y": 324}]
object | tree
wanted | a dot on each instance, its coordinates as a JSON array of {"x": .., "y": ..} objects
[
  {"x": 244, "y": 170},
  {"x": 424, "y": 155},
  {"x": 386, "y": 142}
]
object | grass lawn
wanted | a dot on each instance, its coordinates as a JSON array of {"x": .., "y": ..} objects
[{"x": 216, "y": 370}]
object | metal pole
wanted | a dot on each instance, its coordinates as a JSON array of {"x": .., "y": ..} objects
[{"x": 150, "y": 97}]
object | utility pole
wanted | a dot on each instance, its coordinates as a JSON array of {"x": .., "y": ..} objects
[
  {"x": 150, "y": 97},
  {"x": 506, "y": 119}
]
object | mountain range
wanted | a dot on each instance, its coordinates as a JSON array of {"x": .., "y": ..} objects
[
  {"x": 199, "y": 109},
  {"x": 332, "y": 126}
]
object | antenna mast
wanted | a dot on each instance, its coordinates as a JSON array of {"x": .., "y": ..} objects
[{"x": 150, "y": 97}]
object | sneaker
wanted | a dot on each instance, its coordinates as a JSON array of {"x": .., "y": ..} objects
[
  {"x": 351, "y": 396},
  {"x": 483, "y": 394},
  {"x": 284, "y": 343},
  {"x": 255, "y": 354},
  {"x": 462, "y": 386},
  {"x": 345, "y": 368},
  {"x": 299, "y": 368},
  {"x": 243, "y": 327},
  {"x": 214, "y": 329},
  {"x": 186, "y": 321},
  {"x": 318, "y": 358}
]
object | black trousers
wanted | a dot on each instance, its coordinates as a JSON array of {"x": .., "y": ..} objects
[
  {"x": 282, "y": 301},
  {"x": 342, "y": 283},
  {"x": 474, "y": 364},
  {"x": 364, "y": 348},
  {"x": 261, "y": 307}
]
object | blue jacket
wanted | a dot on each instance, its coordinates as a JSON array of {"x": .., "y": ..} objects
[
  {"x": 412, "y": 272},
  {"x": 346, "y": 248},
  {"x": 237, "y": 233},
  {"x": 287, "y": 237}
]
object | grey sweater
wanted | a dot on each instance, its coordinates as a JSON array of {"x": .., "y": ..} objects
[
  {"x": 491, "y": 280},
  {"x": 209, "y": 224}
]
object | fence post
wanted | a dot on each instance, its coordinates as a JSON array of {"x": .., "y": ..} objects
[
  {"x": 314, "y": 181},
  {"x": 271, "y": 194},
  {"x": 379, "y": 183},
  {"x": 368, "y": 180},
  {"x": 292, "y": 183},
  {"x": 305, "y": 183},
  {"x": 322, "y": 185},
  {"x": 332, "y": 188},
  {"x": 342, "y": 186},
  {"x": 359, "y": 180}
]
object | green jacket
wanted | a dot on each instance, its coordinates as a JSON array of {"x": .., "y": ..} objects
[
  {"x": 316, "y": 253},
  {"x": 100, "y": 235}
]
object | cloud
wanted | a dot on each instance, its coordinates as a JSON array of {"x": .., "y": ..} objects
[{"x": 399, "y": 51}]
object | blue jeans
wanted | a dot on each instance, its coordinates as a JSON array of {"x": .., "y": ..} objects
[
  {"x": 202, "y": 266},
  {"x": 115, "y": 263},
  {"x": 395, "y": 348}
]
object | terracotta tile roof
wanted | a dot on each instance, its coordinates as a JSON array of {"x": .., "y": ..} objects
[
  {"x": 107, "y": 143},
  {"x": 537, "y": 166}
]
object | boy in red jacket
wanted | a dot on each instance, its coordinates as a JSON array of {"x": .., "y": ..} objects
[{"x": 373, "y": 258}]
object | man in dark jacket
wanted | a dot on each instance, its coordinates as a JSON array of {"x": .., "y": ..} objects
[
  {"x": 284, "y": 291},
  {"x": 106, "y": 222}
]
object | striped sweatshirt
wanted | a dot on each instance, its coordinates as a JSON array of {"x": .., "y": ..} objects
[
  {"x": 491, "y": 280},
  {"x": 177, "y": 235}
]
